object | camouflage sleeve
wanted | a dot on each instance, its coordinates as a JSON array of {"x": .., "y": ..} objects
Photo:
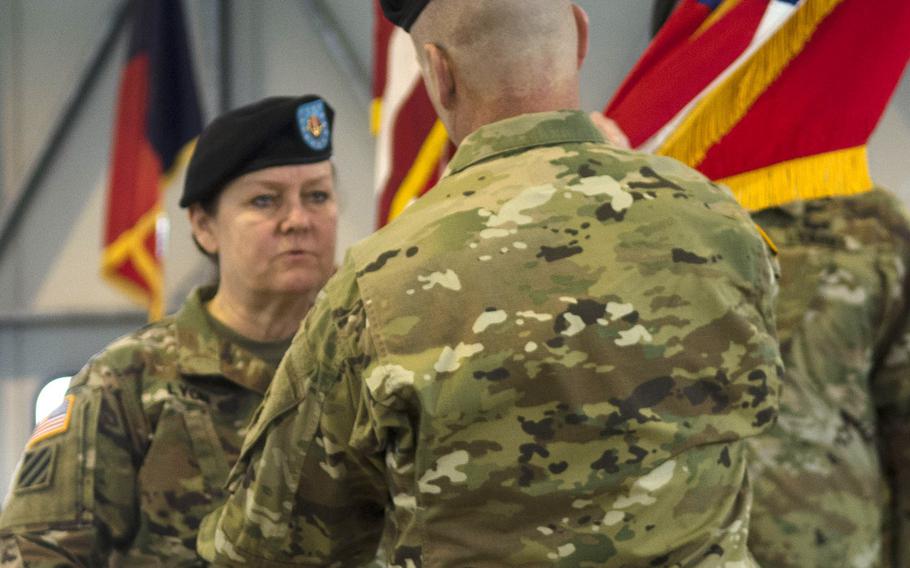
[
  {"x": 309, "y": 488},
  {"x": 62, "y": 509},
  {"x": 50, "y": 550},
  {"x": 892, "y": 384}
]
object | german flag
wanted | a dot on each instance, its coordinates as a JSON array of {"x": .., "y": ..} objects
[{"x": 158, "y": 118}]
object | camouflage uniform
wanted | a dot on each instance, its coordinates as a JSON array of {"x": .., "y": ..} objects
[
  {"x": 551, "y": 359},
  {"x": 821, "y": 491},
  {"x": 157, "y": 419}
]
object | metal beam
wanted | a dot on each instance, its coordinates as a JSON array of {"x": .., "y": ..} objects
[
  {"x": 15, "y": 210},
  {"x": 225, "y": 55},
  {"x": 339, "y": 48},
  {"x": 74, "y": 319}
]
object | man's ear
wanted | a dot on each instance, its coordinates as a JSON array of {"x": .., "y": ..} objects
[
  {"x": 581, "y": 25},
  {"x": 201, "y": 225},
  {"x": 440, "y": 75}
]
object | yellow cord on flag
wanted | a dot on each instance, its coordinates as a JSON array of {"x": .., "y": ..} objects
[
  {"x": 771, "y": 246},
  {"x": 716, "y": 15},
  {"x": 375, "y": 116},
  {"x": 130, "y": 246},
  {"x": 180, "y": 163},
  {"x": 420, "y": 172},
  {"x": 832, "y": 174},
  {"x": 725, "y": 107}
]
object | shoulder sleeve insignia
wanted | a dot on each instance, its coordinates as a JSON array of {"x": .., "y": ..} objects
[
  {"x": 37, "y": 469},
  {"x": 57, "y": 422}
]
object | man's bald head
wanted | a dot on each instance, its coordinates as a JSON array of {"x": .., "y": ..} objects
[{"x": 505, "y": 56}]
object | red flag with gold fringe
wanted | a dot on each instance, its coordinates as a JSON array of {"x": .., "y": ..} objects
[{"x": 790, "y": 117}]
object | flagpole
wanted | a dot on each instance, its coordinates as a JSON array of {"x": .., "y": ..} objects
[
  {"x": 660, "y": 13},
  {"x": 15, "y": 211}
]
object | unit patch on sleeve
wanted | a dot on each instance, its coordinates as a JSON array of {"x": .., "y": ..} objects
[
  {"x": 57, "y": 422},
  {"x": 37, "y": 469}
]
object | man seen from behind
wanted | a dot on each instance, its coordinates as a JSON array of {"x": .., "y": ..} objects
[{"x": 552, "y": 358}]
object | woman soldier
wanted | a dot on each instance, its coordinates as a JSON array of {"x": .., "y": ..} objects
[{"x": 138, "y": 452}]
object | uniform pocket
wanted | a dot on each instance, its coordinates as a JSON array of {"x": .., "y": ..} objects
[
  {"x": 207, "y": 448},
  {"x": 257, "y": 519},
  {"x": 281, "y": 398},
  {"x": 186, "y": 453}
]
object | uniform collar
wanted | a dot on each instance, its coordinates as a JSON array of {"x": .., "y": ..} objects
[
  {"x": 521, "y": 133},
  {"x": 201, "y": 351}
]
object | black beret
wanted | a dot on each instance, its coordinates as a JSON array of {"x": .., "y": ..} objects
[
  {"x": 403, "y": 13},
  {"x": 277, "y": 131}
]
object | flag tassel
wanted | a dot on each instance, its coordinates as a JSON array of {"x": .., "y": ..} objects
[
  {"x": 838, "y": 173},
  {"x": 717, "y": 114}
]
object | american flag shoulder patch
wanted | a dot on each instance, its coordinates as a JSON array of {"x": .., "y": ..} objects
[{"x": 57, "y": 422}]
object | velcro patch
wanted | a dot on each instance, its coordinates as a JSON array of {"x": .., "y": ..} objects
[
  {"x": 57, "y": 422},
  {"x": 37, "y": 469}
]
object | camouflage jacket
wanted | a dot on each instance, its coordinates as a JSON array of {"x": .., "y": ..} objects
[
  {"x": 821, "y": 489},
  {"x": 152, "y": 427},
  {"x": 550, "y": 359}
]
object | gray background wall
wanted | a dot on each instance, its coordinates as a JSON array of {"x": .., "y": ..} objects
[{"x": 55, "y": 311}]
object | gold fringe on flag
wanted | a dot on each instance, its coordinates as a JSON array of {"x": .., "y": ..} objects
[
  {"x": 832, "y": 174},
  {"x": 721, "y": 110}
]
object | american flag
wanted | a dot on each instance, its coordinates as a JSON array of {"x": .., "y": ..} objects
[{"x": 57, "y": 422}]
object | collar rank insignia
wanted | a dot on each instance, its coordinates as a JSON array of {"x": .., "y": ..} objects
[
  {"x": 313, "y": 124},
  {"x": 55, "y": 423}
]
